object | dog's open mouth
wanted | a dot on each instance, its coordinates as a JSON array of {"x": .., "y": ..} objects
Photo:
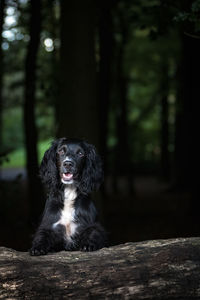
[{"x": 67, "y": 176}]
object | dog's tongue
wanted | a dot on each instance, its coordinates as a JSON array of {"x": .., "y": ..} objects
[{"x": 67, "y": 176}]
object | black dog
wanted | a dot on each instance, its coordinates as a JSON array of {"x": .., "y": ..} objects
[{"x": 71, "y": 170}]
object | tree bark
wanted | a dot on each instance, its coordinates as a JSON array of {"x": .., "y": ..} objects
[
  {"x": 29, "y": 109},
  {"x": 162, "y": 269},
  {"x": 77, "y": 106}
]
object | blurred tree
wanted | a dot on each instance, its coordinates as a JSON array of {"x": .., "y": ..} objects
[
  {"x": 187, "y": 116},
  {"x": 29, "y": 109},
  {"x": 48, "y": 71},
  {"x": 188, "y": 92},
  {"x": 2, "y": 7},
  {"x": 106, "y": 43},
  {"x": 123, "y": 166},
  {"x": 77, "y": 107},
  {"x": 164, "y": 86},
  {"x": 119, "y": 95},
  {"x": 15, "y": 36}
]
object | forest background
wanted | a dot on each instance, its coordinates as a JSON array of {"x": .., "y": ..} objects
[{"x": 123, "y": 75}]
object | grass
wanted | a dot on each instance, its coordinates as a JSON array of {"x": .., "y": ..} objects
[{"x": 17, "y": 158}]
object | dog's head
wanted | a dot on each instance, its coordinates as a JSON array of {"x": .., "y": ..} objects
[{"x": 70, "y": 161}]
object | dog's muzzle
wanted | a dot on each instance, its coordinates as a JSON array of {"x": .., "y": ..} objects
[{"x": 67, "y": 171}]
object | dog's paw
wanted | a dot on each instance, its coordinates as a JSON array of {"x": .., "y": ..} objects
[
  {"x": 36, "y": 251},
  {"x": 69, "y": 247},
  {"x": 92, "y": 238},
  {"x": 89, "y": 247}
]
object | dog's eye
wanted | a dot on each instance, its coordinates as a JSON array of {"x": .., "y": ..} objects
[
  {"x": 61, "y": 152},
  {"x": 80, "y": 153}
]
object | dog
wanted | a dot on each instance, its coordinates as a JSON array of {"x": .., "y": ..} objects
[{"x": 70, "y": 169}]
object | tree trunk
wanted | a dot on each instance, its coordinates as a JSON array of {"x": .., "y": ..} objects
[
  {"x": 53, "y": 22},
  {"x": 186, "y": 119},
  {"x": 187, "y": 114},
  {"x": 106, "y": 50},
  {"x": 2, "y": 7},
  {"x": 29, "y": 110},
  {"x": 122, "y": 154},
  {"x": 77, "y": 106},
  {"x": 162, "y": 269},
  {"x": 122, "y": 116},
  {"x": 165, "y": 164}
]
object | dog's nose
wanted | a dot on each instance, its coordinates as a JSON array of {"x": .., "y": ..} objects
[{"x": 68, "y": 164}]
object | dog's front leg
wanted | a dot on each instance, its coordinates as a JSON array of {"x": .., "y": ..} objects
[
  {"x": 92, "y": 237},
  {"x": 42, "y": 242}
]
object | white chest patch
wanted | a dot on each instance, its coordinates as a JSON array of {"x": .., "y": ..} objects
[{"x": 68, "y": 212}]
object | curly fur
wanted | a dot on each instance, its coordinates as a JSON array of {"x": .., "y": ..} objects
[{"x": 70, "y": 170}]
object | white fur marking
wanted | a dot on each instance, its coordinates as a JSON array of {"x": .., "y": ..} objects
[
  {"x": 67, "y": 158},
  {"x": 67, "y": 182},
  {"x": 68, "y": 212}
]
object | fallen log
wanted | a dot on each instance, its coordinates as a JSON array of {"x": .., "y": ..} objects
[{"x": 158, "y": 269}]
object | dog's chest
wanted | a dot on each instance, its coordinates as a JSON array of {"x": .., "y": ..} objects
[{"x": 67, "y": 217}]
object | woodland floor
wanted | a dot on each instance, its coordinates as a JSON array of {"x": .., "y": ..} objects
[{"x": 153, "y": 211}]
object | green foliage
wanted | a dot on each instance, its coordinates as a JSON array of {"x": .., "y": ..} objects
[
  {"x": 17, "y": 158},
  {"x": 43, "y": 146},
  {"x": 190, "y": 15},
  {"x": 12, "y": 128}
]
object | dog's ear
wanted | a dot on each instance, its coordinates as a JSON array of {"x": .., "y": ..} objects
[
  {"x": 92, "y": 175},
  {"x": 48, "y": 168}
]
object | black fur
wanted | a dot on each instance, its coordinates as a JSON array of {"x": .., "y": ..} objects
[{"x": 73, "y": 166}]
